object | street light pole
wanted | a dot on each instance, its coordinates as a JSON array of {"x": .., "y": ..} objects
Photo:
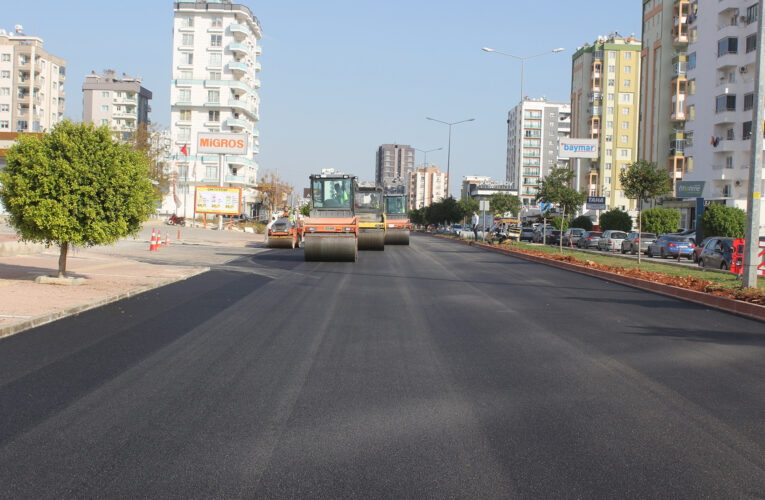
[
  {"x": 522, "y": 59},
  {"x": 449, "y": 148},
  {"x": 425, "y": 152}
]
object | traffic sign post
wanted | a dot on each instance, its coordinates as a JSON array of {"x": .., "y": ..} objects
[
  {"x": 544, "y": 208},
  {"x": 484, "y": 207}
]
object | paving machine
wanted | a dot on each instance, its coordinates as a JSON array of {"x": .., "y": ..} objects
[
  {"x": 285, "y": 233},
  {"x": 396, "y": 220},
  {"x": 331, "y": 231},
  {"x": 370, "y": 211}
]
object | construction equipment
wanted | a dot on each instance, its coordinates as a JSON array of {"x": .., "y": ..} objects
[
  {"x": 285, "y": 232},
  {"x": 369, "y": 209},
  {"x": 331, "y": 231},
  {"x": 397, "y": 222}
]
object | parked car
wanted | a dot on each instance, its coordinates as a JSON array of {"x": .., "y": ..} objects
[
  {"x": 572, "y": 235},
  {"x": 554, "y": 238},
  {"x": 697, "y": 250},
  {"x": 637, "y": 242},
  {"x": 527, "y": 234},
  {"x": 539, "y": 237},
  {"x": 671, "y": 245},
  {"x": 589, "y": 239},
  {"x": 611, "y": 240},
  {"x": 717, "y": 253}
]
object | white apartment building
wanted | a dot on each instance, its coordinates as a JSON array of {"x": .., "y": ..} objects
[
  {"x": 721, "y": 63},
  {"x": 214, "y": 89},
  {"x": 427, "y": 185},
  {"x": 32, "y": 96},
  {"x": 533, "y": 129},
  {"x": 119, "y": 102}
]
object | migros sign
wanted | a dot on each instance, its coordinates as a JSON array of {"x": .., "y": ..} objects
[{"x": 222, "y": 143}]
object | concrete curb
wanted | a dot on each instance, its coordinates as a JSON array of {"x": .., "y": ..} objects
[
  {"x": 739, "y": 307},
  {"x": 7, "y": 331}
]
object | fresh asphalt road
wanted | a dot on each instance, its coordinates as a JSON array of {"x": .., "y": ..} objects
[{"x": 434, "y": 370}]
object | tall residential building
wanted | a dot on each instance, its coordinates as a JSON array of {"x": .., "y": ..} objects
[
  {"x": 121, "y": 103},
  {"x": 426, "y": 185},
  {"x": 533, "y": 129},
  {"x": 722, "y": 54},
  {"x": 393, "y": 165},
  {"x": 605, "y": 98},
  {"x": 214, "y": 89},
  {"x": 32, "y": 96},
  {"x": 664, "y": 85}
]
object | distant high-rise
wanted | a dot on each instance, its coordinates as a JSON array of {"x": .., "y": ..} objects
[
  {"x": 427, "y": 184},
  {"x": 32, "y": 94},
  {"x": 394, "y": 164},
  {"x": 120, "y": 103}
]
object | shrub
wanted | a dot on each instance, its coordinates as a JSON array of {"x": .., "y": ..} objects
[
  {"x": 721, "y": 220},
  {"x": 616, "y": 219},
  {"x": 557, "y": 222},
  {"x": 660, "y": 220},
  {"x": 583, "y": 222}
]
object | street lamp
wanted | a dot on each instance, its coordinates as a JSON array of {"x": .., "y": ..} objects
[
  {"x": 523, "y": 59},
  {"x": 449, "y": 150},
  {"x": 425, "y": 162}
]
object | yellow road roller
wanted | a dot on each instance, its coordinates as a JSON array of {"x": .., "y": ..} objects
[
  {"x": 369, "y": 209},
  {"x": 397, "y": 224},
  {"x": 331, "y": 231}
]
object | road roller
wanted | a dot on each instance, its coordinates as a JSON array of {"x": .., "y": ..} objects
[
  {"x": 331, "y": 231},
  {"x": 284, "y": 233},
  {"x": 369, "y": 209},
  {"x": 396, "y": 220}
]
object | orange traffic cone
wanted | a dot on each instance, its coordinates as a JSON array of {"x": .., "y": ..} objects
[
  {"x": 153, "y": 246},
  {"x": 159, "y": 240},
  {"x": 179, "y": 234},
  {"x": 167, "y": 239}
]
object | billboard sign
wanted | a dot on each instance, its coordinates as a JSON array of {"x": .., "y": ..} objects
[
  {"x": 577, "y": 148},
  {"x": 217, "y": 200},
  {"x": 596, "y": 203},
  {"x": 690, "y": 189},
  {"x": 221, "y": 143}
]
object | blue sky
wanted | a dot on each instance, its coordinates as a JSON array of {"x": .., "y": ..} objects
[{"x": 341, "y": 77}]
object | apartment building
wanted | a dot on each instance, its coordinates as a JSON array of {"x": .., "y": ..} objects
[
  {"x": 721, "y": 62},
  {"x": 605, "y": 100},
  {"x": 534, "y": 127},
  {"x": 427, "y": 185},
  {"x": 214, "y": 89},
  {"x": 469, "y": 182},
  {"x": 393, "y": 164},
  {"x": 119, "y": 102},
  {"x": 32, "y": 96}
]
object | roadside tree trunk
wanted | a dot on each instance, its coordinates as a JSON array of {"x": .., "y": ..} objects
[
  {"x": 640, "y": 229},
  {"x": 62, "y": 259},
  {"x": 562, "y": 220}
]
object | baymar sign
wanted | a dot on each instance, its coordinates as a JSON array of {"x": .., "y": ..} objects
[
  {"x": 577, "y": 148},
  {"x": 221, "y": 143},
  {"x": 217, "y": 200}
]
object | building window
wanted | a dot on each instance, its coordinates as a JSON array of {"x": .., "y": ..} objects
[
  {"x": 611, "y": 68},
  {"x": 751, "y": 43},
  {"x": 610, "y": 98},
  {"x": 628, "y": 55},
  {"x": 21, "y": 125},
  {"x": 216, "y": 40},
  {"x": 746, "y": 130},
  {"x": 692, "y": 87},
  {"x": 607, "y": 180},
  {"x": 691, "y": 111},
  {"x": 187, "y": 22},
  {"x": 215, "y": 59},
  {"x": 625, "y": 125},
  {"x": 748, "y": 101},
  {"x": 4, "y": 108},
  {"x": 213, "y": 116},
  {"x": 211, "y": 172},
  {"x": 6, "y": 58},
  {"x": 184, "y": 133},
  {"x": 611, "y": 82},
  {"x": 214, "y": 75},
  {"x": 625, "y": 111},
  {"x": 185, "y": 115},
  {"x": 217, "y": 22},
  {"x": 625, "y": 138},
  {"x": 5, "y": 91},
  {"x": 105, "y": 107},
  {"x": 609, "y": 110},
  {"x": 105, "y": 94},
  {"x": 187, "y": 58},
  {"x": 627, "y": 83},
  {"x": 610, "y": 124},
  {"x": 624, "y": 153},
  {"x": 187, "y": 39},
  {"x": 609, "y": 138},
  {"x": 728, "y": 45},
  {"x": 628, "y": 70},
  {"x": 609, "y": 152},
  {"x": 694, "y": 35},
  {"x": 4, "y": 124},
  {"x": 213, "y": 96},
  {"x": 692, "y": 61},
  {"x": 184, "y": 95},
  {"x": 104, "y": 121},
  {"x": 752, "y": 13},
  {"x": 5, "y": 74},
  {"x": 725, "y": 103},
  {"x": 187, "y": 74}
]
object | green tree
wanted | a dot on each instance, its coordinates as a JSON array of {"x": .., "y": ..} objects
[
  {"x": 467, "y": 207},
  {"x": 616, "y": 219},
  {"x": 721, "y": 220},
  {"x": 560, "y": 223},
  {"x": 156, "y": 145},
  {"x": 659, "y": 220},
  {"x": 501, "y": 203},
  {"x": 582, "y": 222},
  {"x": 556, "y": 189},
  {"x": 305, "y": 210},
  {"x": 643, "y": 181},
  {"x": 76, "y": 186}
]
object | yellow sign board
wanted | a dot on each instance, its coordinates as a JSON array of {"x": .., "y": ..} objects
[{"x": 218, "y": 200}]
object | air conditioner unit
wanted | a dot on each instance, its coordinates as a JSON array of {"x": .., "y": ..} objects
[
  {"x": 742, "y": 69},
  {"x": 743, "y": 19}
]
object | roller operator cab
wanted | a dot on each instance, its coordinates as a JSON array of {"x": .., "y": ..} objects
[
  {"x": 331, "y": 231},
  {"x": 370, "y": 211},
  {"x": 285, "y": 232},
  {"x": 396, "y": 220}
]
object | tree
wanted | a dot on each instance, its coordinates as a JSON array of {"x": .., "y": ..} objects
[
  {"x": 659, "y": 220},
  {"x": 501, "y": 203},
  {"x": 155, "y": 144},
  {"x": 76, "y": 186},
  {"x": 616, "y": 219},
  {"x": 274, "y": 191},
  {"x": 467, "y": 207},
  {"x": 560, "y": 223},
  {"x": 643, "y": 181},
  {"x": 305, "y": 210},
  {"x": 582, "y": 222},
  {"x": 721, "y": 220},
  {"x": 555, "y": 188}
]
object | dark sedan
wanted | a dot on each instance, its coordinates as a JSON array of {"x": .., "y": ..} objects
[{"x": 717, "y": 253}]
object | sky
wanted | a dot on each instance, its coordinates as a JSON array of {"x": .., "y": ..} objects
[{"x": 341, "y": 77}]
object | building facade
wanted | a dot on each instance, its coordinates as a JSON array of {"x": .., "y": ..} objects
[
  {"x": 214, "y": 89},
  {"x": 427, "y": 185},
  {"x": 393, "y": 164},
  {"x": 534, "y": 127},
  {"x": 121, "y": 103},
  {"x": 605, "y": 100},
  {"x": 32, "y": 97}
]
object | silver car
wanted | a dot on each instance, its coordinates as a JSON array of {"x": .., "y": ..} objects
[
  {"x": 611, "y": 240},
  {"x": 637, "y": 242},
  {"x": 572, "y": 235}
]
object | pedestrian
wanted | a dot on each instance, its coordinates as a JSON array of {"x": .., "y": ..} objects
[{"x": 475, "y": 224}]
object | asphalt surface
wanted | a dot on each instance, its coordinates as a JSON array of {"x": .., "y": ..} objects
[{"x": 434, "y": 370}]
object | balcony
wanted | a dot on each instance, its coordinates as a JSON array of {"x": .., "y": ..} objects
[
  {"x": 256, "y": 83},
  {"x": 595, "y": 97},
  {"x": 676, "y": 146},
  {"x": 258, "y": 49},
  {"x": 595, "y": 110},
  {"x": 239, "y": 48},
  {"x": 238, "y": 67},
  {"x": 242, "y": 161},
  {"x": 255, "y": 132},
  {"x": 257, "y": 66},
  {"x": 236, "y": 123},
  {"x": 240, "y": 31},
  {"x": 597, "y": 55},
  {"x": 679, "y": 67},
  {"x": 236, "y": 179}
]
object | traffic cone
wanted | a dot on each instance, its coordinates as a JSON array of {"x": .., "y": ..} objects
[
  {"x": 179, "y": 234},
  {"x": 167, "y": 239},
  {"x": 153, "y": 246},
  {"x": 159, "y": 240}
]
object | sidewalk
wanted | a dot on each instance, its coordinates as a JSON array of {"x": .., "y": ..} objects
[{"x": 26, "y": 304}]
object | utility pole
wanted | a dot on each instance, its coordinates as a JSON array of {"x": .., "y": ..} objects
[{"x": 754, "y": 194}]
